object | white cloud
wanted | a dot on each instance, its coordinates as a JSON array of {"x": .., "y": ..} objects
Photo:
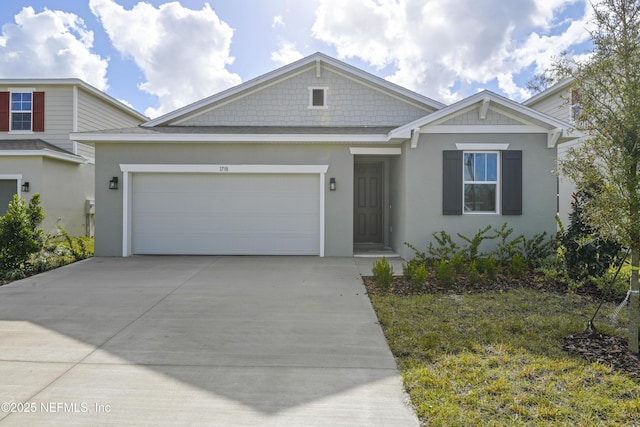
[
  {"x": 277, "y": 21},
  {"x": 183, "y": 53},
  {"x": 50, "y": 44},
  {"x": 286, "y": 54},
  {"x": 443, "y": 49}
]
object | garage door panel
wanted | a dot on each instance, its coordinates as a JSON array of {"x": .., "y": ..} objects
[{"x": 261, "y": 214}]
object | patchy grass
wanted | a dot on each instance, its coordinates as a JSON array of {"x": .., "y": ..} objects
[{"x": 496, "y": 358}]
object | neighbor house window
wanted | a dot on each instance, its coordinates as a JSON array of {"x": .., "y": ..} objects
[
  {"x": 317, "y": 97},
  {"x": 480, "y": 182},
  {"x": 21, "y": 110},
  {"x": 575, "y": 105}
]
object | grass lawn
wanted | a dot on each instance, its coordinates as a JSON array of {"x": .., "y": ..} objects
[{"x": 496, "y": 358}]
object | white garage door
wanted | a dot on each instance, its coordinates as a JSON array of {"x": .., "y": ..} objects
[{"x": 225, "y": 214}]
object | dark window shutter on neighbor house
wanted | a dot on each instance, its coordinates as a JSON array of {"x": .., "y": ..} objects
[
  {"x": 38, "y": 111},
  {"x": 452, "y": 182},
  {"x": 512, "y": 182},
  {"x": 4, "y": 111}
]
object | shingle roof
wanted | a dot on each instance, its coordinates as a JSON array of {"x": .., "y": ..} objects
[
  {"x": 29, "y": 145},
  {"x": 252, "y": 130}
]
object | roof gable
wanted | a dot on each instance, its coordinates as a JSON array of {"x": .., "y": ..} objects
[
  {"x": 268, "y": 95},
  {"x": 486, "y": 112}
]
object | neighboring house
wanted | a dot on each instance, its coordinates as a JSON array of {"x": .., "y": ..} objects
[
  {"x": 36, "y": 154},
  {"x": 322, "y": 158},
  {"x": 562, "y": 102}
]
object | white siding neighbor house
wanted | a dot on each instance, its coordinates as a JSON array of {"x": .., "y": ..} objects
[
  {"x": 37, "y": 155},
  {"x": 560, "y": 101},
  {"x": 321, "y": 158}
]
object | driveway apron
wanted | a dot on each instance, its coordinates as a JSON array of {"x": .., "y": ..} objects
[{"x": 228, "y": 341}]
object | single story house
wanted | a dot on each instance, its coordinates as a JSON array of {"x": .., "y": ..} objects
[
  {"x": 36, "y": 154},
  {"x": 321, "y": 158}
]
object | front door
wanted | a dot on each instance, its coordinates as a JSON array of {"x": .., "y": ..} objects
[
  {"x": 368, "y": 201},
  {"x": 8, "y": 188}
]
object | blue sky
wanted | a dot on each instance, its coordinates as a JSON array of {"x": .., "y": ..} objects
[{"x": 158, "y": 56}]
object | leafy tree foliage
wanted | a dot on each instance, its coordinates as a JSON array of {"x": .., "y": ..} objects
[{"x": 608, "y": 85}]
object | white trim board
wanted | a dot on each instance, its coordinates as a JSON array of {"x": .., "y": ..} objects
[
  {"x": 376, "y": 151},
  {"x": 129, "y": 169}
]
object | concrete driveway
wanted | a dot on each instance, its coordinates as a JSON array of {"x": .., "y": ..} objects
[{"x": 197, "y": 341}]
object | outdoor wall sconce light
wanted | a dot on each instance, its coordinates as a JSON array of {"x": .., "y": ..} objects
[
  {"x": 25, "y": 187},
  {"x": 113, "y": 184},
  {"x": 332, "y": 184}
]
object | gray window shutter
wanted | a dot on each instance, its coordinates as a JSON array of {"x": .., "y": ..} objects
[
  {"x": 452, "y": 182},
  {"x": 511, "y": 182}
]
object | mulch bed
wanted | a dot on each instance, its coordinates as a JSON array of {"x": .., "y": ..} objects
[{"x": 593, "y": 346}]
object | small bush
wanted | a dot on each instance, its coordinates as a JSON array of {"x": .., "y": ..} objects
[
  {"x": 488, "y": 266},
  {"x": 446, "y": 248},
  {"x": 539, "y": 249},
  {"x": 419, "y": 255},
  {"x": 445, "y": 273},
  {"x": 459, "y": 263},
  {"x": 20, "y": 232},
  {"x": 473, "y": 275},
  {"x": 472, "y": 250},
  {"x": 418, "y": 277},
  {"x": 517, "y": 266},
  {"x": 382, "y": 272},
  {"x": 507, "y": 249}
]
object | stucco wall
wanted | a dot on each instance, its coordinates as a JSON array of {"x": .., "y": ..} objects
[
  {"x": 423, "y": 190},
  {"x": 63, "y": 187},
  {"x": 286, "y": 103},
  {"x": 339, "y": 203}
]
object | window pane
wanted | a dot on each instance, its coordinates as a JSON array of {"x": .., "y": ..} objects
[
  {"x": 21, "y": 121},
  {"x": 492, "y": 167},
  {"x": 480, "y": 198},
  {"x": 468, "y": 167},
  {"x": 481, "y": 170},
  {"x": 21, "y": 101}
]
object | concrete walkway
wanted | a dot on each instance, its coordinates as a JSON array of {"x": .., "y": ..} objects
[{"x": 221, "y": 341}]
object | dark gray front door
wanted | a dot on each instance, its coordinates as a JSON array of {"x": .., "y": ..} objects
[
  {"x": 367, "y": 209},
  {"x": 8, "y": 188}
]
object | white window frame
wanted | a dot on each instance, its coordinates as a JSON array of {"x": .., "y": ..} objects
[
  {"x": 11, "y": 111},
  {"x": 324, "y": 90},
  {"x": 497, "y": 182}
]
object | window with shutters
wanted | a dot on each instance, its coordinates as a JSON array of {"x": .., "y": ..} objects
[
  {"x": 21, "y": 111},
  {"x": 317, "y": 97},
  {"x": 476, "y": 182},
  {"x": 480, "y": 182}
]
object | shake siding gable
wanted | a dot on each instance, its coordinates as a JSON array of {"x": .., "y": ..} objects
[{"x": 4, "y": 111}]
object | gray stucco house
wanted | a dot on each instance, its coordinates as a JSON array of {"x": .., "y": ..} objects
[
  {"x": 36, "y": 154},
  {"x": 322, "y": 158}
]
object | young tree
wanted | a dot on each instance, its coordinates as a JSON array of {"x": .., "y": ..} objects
[{"x": 608, "y": 85}]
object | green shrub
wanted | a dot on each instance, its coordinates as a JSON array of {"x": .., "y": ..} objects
[
  {"x": 419, "y": 255},
  {"x": 517, "y": 266},
  {"x": 488, "y": 266},
  {"x": 20, "y": 232},
  {"x": 383, "y": 272},
  {"x": 472, "y": 250},
  {"x": 445, "y": 272},
  {"x": 539, "y": 249},
  {"x": 507, "y": 249},
  {"x": 589, "y": 253},
  {"x": 417, "y": 275},
  {"x": 473, "y": 275},
  {"x": 459, "y": 263},
  {"x": 446, "y": 248}
]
